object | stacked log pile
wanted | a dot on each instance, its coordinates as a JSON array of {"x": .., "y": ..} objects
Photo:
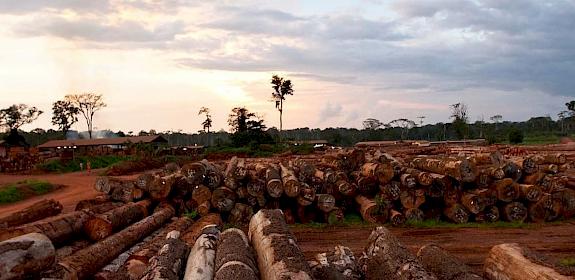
[{"x": 482, "y": 187}]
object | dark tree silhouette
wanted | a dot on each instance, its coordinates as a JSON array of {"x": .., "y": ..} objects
[
  {"x": 207, "y": 123},
  {"x": 282, "y": 88},
  {"x": 404, "y": 124},
  {"x": 88, "y": 104},
  {"x": 460, "y": 118},
  {"x": 372, "y": 124},
  {"x": 247, "y": 130},
  {"x": 17, "y": 115},
  {"x": 65, "y": 114}
]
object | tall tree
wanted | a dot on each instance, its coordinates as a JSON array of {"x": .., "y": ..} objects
[
  {"x": 17, "y": 115},
  {"x": 238, "y": 119},
  {"x": 207, "y": 123},
  {"x": 65, "y": 114},
  {"x": 372, "y": 124},
  {"x": 88, "y": 104},
  {"x": 282, "y": 88},
  {"x": 460, "y": 118},
  {"x": 496, "y": 119},
  {"x": 404, "y": 124},
  {"x": 571, "y": 107},
  {"x": 562, "y": 115}
]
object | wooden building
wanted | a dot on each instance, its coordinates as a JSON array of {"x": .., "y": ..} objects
[{"x": 101, "y": 145}]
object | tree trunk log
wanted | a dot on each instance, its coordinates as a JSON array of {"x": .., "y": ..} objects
[
  {"x": 396, "y": 218},
  {"x": 439, "y": 185},
  {"x": 169, "y": 262},
  {"x": 506, "y": 190},
  {"x": 290, "y": 182},
  {"x": 201, "y": 194},
  {"x": 306, "y": 196},
  {"x": 279, "y": 257},
  {"x": 126, "y": 192},
  {"x": 472, "y": 202},
  {"x": 24, "y": 257},
  {"x": 412, "y": 198},
  {"x": 89, "y": 203},
  {"x": 159, "y": 189},
  {"x": 408, "y": 181},
  {"x": 274, "y": 183},
  {"x": 241, "y": 214},
  {"x": 389, "y": 259},
  {"x": 345, "y": 188},
  {"x": 414, "y": 214},
  {"x": 59, "y": 228},
  {"x": 336, "y": 216},
  {"x": 457, "y": 214},
  {"x": 223, "y": 199},
  {"x": 512, "y": 170},
  {"x": 103, "y": 225},
  {"x": 530, "y": 193},
  {"x": 444, "y": 265},
  {"x": 507, "y": 261},
  {"x": 546, "y": 209},
  {"x": 422, "y": 177},
  {"x": 489, "y": 215},
  {"x": 201, "y": 260},
  {"x": 370, "y": 211},
  {"x": 390, "y": 191},
  {"x": 235, "y": 258},
  {"x": 462, "y": 170},
  {"x": 72, "y": 248},
  {"x": 230, "y": 180},
  {"x": 35, "y": 212},
  {"x": 534, "y": 178},
  {"x": 514, "y": 212},
  {"x": 382, "y": 171},
  {"x": 88, "y": 261},
  {"x": 194, "y": 232},
  {"x": 325, "y": 202}
]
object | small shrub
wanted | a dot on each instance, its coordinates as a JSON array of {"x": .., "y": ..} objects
[
  {"x": 10, "y": 194},
  {"x": 515, "y": 136},
  {"x": 568, "y": 262},
  {"x": 191, "y": 214}
]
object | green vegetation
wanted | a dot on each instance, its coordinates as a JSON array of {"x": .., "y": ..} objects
[
  {"x": 24, "y": 189},
  {"x": 191, "y": 214},
  {"x": 59, "y": 166},
  {"x": 567, "y": 262}
]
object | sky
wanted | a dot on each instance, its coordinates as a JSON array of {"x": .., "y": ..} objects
[{"x": 156, "y": 62}]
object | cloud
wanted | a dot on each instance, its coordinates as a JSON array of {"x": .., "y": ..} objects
[
  {"x": 27, "y": 6},
  {"x": 329, "y": 111},
  {"x": 97, "y": 31}
]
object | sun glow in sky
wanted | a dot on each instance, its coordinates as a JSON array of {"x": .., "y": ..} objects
[{"x": 158, "y": 62}]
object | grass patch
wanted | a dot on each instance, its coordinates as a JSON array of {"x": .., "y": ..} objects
[
  {"x": 10, "y": 194},
  {"x": 24, "y": 189},
  {"x": 567, "y": 262},
  {"x": 191, "y": 214}
]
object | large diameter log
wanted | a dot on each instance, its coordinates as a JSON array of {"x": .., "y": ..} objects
[
  {"x": 512, "y": 170},
  {"x": 423, "y": 178},
  {"x": 194, "y": 173},
  {"x": 546, "y": 209},
  {"x": 24, "y": 257},
  {"x": 529, "y": 165},
  {"x": 235, "y": 258},
  {"x": 533, "y": 179},
  {"x": 370, "y": 211},
  {"x": 256, "y": 187},
  {"x": 489, "y": 215},
  {"x": 201, "y": 260},
  {"x": 412, "y": 198},
  {"x": 194, "y": 232},
  {"x": 72, "y": 248},
  {"x": 169, "y": 261},
  {"x": 532, "y": 193},
  {"x": 390, "y": 191},
  {"x": 456, "y": 213},
  {"x": 439, "y": 185},
  {"x": 389, "y": 259},
  {"x": 396, "y": 218},
  {"x": 100, "y": 208},
  {"x": 230, "y": 180},
  {"x": 159, "y": 189},
  {"x": 306, "y": 195},
  {"x": 337, "y": 264},
  {"x": 506, "y": 190},
  {"x": 274, "y": 185},
  {"x": 508, "y": 261},
  {"x": 278, "y": 255},
  {"x": 408, "y": 181},
  {"x": 88, "y": 261},
  {"x": 59, "y": 229},
  {"x": 462, "y": 170},
  {"x": 325, "y": 202},
  {"x": 103, "y": 225},
  {"x": 568, "y": 198},
  {"x": 382, "y": 171},
  {"x": 558, "y": 158},
  {"x": 35, "y": 212},
  {"x": 346, "y": 188},
  {"x": 414, "y": 214},
  {"x": 444, "y": 265},
  {"x": 472, "y": 202},
  {"x": 223, "y": 199},
  {"x": 201, "y": 194},
  {"x": 514, "y": 212},
  {"x": 241, "y": 214},
  {"x": 126, "y": 192},
  {"x": 136, "y": 264},
  {"x": 88, "y": 203},
  {"x": 290, "y": 182}
]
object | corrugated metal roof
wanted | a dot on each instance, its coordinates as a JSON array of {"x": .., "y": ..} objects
[{"x": 103, "y": 141}]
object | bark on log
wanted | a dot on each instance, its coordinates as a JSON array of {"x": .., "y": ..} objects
[
  {"x": 533, "y": 179},
  {"x": 256, "y": 187},
  {"x": 103, "y": 225},
  {"x": 290, "y": 182},
  {"x": 439, "y": 185},
  {"x": 408, "y": 181},
  {"x": 274, "y": 183},
  {"x": 489, "y": 215},
  {"x": 412, "y": 198},
  {"x": 335, "y": 216},
  {"x": 391, "y": 191},
  {"x": 136, "y": 264},
  {"x": 514, "y": 212},
  {"x": 389, "y": 259},
  {"x": 71, "y": 248},
  {"x": 396, "y": 218},
  {"x": 462, "y": 170},
  {"x": 472, "y": 202},
  {"x": 241, "y": 214},
  {"x": 325, "y": 202},
  {"x": 306, "y": 195},
  {"x": 506, "y": 190},
  {"x": 35, "y": 212},
  {"x": 89, "y": 203},
  {"x": 530, "y": 193},
  {"x": 279, "y": 257},
  {"x": 24, "y": 257},
  {"x": 337, "y": 264},
  {"x": 192, "y": 234},
  {"x": 88, "y": 261},
  {"x": 126, "y": 192},
  {"x": 568, "y": 198},
  {"x": 488, "y": 196},
  {"x": 555, "y": 158},
  {"x": 365, "y": 185},
  {"x": 223, "y": 199},
  {"x": 382, "y": 171},
  {"x": 201, "y": 194},
  {"x": 512, "y": 170},
  {"x": 346, "y": 188},
  {"x": 546, "y": 209},
  {"x": 507, "y": 261},
  {"x": 423, "y": 178},
  {"x": 201, "y": 260},
  {"x": 168, "y": 263},
  {"x": 414, "y": 214},
  {"x": 194, "y": 173},
  {"x": 529, "y": 165},
  {"x": 457, "y": 214},
  {"x": 370, "y": 211},
  {"x": 159, "y": 189},
  {"x": 496, "y": 173},
  {"x": 230, "y": 179},
  {"x": 234, "y": 251},
  {"x": 101, "y": 208},
  {"x": 444, "y": 265}
]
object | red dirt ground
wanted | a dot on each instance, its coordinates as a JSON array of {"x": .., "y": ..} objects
[{"x": 470, "y": 244}]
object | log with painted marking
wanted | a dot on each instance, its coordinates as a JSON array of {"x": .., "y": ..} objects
[{"x": 460, "y": 169}]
